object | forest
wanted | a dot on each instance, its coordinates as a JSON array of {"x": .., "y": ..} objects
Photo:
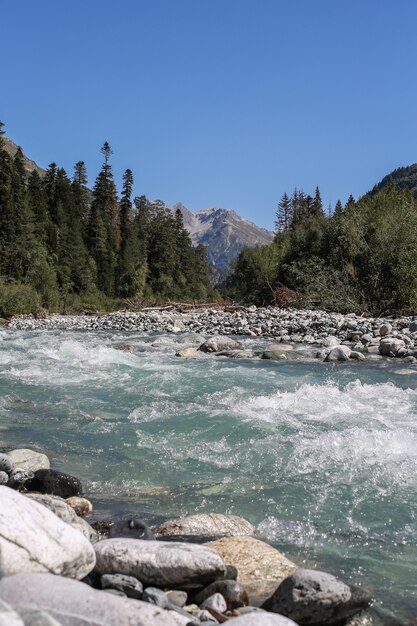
[
  {"x": 64, "y": 247},
  {"x": 360, "y": 257}
]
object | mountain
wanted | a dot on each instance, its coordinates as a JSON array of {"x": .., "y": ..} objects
[
  {"x": 30, "y": 165},
  {"x": 224, "y": 233},
  {"x": 402, "y": 177}
]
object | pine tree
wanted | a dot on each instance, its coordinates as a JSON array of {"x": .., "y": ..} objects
[
  {"x": 283, "y": 217},
  {"x": 317, "y": 204}
]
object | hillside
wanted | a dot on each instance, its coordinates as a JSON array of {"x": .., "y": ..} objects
[
  {"x": 402, "y": 177},
  {"x": 30, "y": 165}
]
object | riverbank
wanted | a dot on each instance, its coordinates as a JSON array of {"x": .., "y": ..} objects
[{"x": 362, "y": 337}]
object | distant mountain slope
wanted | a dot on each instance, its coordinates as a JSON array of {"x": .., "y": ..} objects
[
  {"x": 403, "y": 177},
  {"x": 30, "y": 165},
  {"x": 223, "y": 232}
]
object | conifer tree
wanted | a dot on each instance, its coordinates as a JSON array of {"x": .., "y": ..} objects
[{"x": 283, "y": 217}]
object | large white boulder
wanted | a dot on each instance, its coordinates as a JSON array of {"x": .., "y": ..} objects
[
  {"x": 29, "y": 460},
  {"x": 33, "y": 539}
]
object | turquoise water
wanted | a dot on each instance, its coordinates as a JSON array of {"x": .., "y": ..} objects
[{"x": 323, "y": 458}]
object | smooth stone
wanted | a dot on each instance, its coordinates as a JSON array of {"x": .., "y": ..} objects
[
  {"x": 72, "y": 603},
  {"x": 385, "y": 329},
  {"x": 264, "y": 619},
  {"x": 254, "y": 560},
  {"x": 132, "y": 529},
  {"x": 338, "y": 353},
  {"x": 188, "y": 352},
  {"x": 311, "y": 597},
  {"x": 220, "y": 344},
  {"x": 33, "y": 617},
  {"x": 207, "y": 524},
  {"x": 55, "y": 483},
  {"x": 177, "y": 597},
  {"x": 8, "y": 616},
  {"x": 357, "y": 355},
  {"x": 67, "y": 514},
  {"x": 82, "y": 507},
  {"x": 33, "y": 539},
  {"x": 330, "y": 342},
  {"x": 390, "y": 346},
  {"x": 216, "y": 602},
  {"x": 4, "y": 478},
  {"x": 155, "y": 596},
  {"x": 29, "y": 460},
  {"x": 6, "y": 463},
  {"x": 159, "y": 563},
  {"x": 232, "y": 591},
  {"x": 129, "y": 585},
  {"x": 274, "y": 355}
]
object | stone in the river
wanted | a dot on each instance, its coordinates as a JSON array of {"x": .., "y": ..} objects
[
  {"x": 207, "y": 524},
  {"x": 216, "y": 602},
  {"x": 188, "y": 352},
  {"x": 8, "y": 616},
  {"x": 159, "y": 563},
  {"x": 359, "y": 356},
  {"x": 220, "y": 344},
  {"x": 261, "y": 568},
  {"x": 33, "y": 539},
  {"x": 29, "y": 460},
  {"x": 132, "y": 528},
  {"x": 59, "y": 597},
  {"x": 19, "y": 479},
  {"x": 59, "y": 506},
  {"x": 81, "y": 506},
  {"x": 262, "y": 619},
  {"x": 274, "y": 355},
  {"x": 6, "y": 463},
  {"x": 390, "y": 346},
  {"x": 55, "y": 483},
  {"x": 234, "y": 594},
  {"x": 338, "y": 353},
  {"x": 130, "y": 585},
  {"x": 316, "y": 598},
  {"x": 3, "y": 478},
  {"x": 385, "y": 329}
]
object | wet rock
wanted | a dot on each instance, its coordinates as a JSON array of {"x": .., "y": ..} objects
[
  {"x": 220, "y": 344},
  {"x": 188, "y": 353},
  {"x": 338, "y": 353},
  {"x": 29, "y": 460},
  {"x": 159, "y": 563},
  {"x": 315, "y": 598},
  {"x": 19, "y": 479},
  {"x": 58, "y": 596},
  {"x": 207, "y": 524},
  {"x": 358, "y": 356},
  {"x": 33, "y": 539},
  {"x": 132, "y": 528},
  {"x": 59, "y": 506},
  {"x": 274, "y": 355},
  {"x": 6, "y": 463},
  {"x": 233, "y": 593},
  {"x": 129, "y": 585},
  {"x": 81, "y": 506},
  {"x": 55, "y": 483}
]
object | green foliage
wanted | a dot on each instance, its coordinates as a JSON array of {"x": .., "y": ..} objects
[{"x": 17, "y": 298}]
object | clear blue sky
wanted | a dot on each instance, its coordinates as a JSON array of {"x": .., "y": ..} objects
[{"x": 215, "y": 102}]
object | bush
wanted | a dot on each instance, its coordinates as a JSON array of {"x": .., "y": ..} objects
[{"x": 17, "y": 298}]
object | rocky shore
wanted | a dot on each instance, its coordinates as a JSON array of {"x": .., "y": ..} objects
[
  {"x": 337, "y": 337},
  {"x": 57, "y": 569}
]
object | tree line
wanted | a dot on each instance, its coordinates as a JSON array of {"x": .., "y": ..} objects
[
  {"x": 63, "y": 245},
  {"x": 361, "y": 257}
]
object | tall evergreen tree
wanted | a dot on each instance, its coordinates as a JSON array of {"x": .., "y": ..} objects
[{"x": 284, "y": 214}]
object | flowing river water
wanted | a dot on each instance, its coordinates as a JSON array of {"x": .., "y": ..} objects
[{"x": 322, "y": 458}]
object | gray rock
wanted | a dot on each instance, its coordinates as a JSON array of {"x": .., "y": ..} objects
[
  {"x": 33, "y": 539},
  {"x": 412, "y": 327},
  {"x": 65, "y": 512},
  {"x": 274, "y": 355},
  {"x": 188, "y": 353},
  {"x": 8, "y": 616},
  {"x": 155, "y": 596},
  {"x": 29, "y": 460},
  {"x": 132, "y": 529},
  {"x": 358, "y": 356},
  {"x": 220, "y": 344},
  {"x": 207, "y": 524},
  {"x": 20, "y": 478},
  {"x": 216, "y": 602},
  {"x": 310, "y": 597},
  {"x": 206, "y": 617},
  {"x": 6, "y": 463},
  {"x": 385, "y": 329},
  {"x": 262, "y": 619},
  {"x": 177, "y": 597},
  {"x": 4, "y": 478},
  {"x": 159, "y": 563},
  {"x": 391, "y": 346},
  {"x": 73, "y": 603},
  {"x": 330, "y": 342},
  {"x": 338, "y": 353},
  {"x": 33, "y": 617},
  {"x": 129, "y": 585}
]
